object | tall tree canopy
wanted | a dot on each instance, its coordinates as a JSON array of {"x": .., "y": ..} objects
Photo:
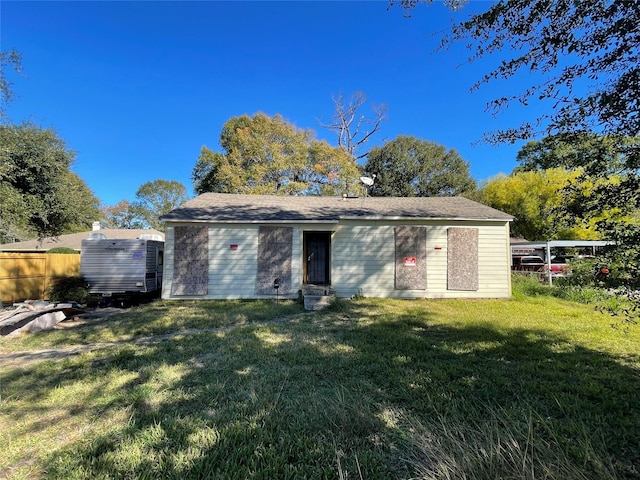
[
  {"x": 123, "y": 215},
  {"x": 262, "y": 155},
  {"x": 588, "y": 52},
  {"x": 596, "y": 154},
  {"x": 537, "y": 201},
  {"x": 410, "y": 167},
  {"x": 606, "y": 164},
  {"x": 268, "y": 155},
  {"x": 332, "y": 171},
  {"x": 39, "y": 195},
  {"x": 158, "y": 197}
]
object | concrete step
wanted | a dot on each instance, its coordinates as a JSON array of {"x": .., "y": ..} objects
[
  {"x": 309, "y": 289},
  {"x": 317, "y": 302}
]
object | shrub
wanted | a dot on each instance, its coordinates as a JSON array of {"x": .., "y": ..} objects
[
  {"x": 581, "y": 294},
  {"x": 63, "y": 250},
  {"x": 585, "y": 272},
  {"x": 528, "y": 285},
  {"x": 69, "y": 289},
  {"x": 568, "y": 288}
]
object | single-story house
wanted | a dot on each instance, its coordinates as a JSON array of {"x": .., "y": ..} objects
[{"x": 225, "y": 246}]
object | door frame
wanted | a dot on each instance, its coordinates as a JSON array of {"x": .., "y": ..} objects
[{"x": 317, "y": 235}]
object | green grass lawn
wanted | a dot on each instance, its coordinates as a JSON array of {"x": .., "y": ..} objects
[{"x": 526, "y": 388}]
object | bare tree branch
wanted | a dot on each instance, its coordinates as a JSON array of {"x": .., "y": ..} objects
[{"x": 352, "y": 129}]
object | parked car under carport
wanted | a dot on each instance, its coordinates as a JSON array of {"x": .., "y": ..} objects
[{"x": 528, "y": 263}]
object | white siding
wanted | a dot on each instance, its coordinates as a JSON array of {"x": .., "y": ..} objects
[
  {"x": 232, "y": 272},
  {"x": 364, "y": 252},
  {"x": 167, "y": 267},
  {"x": 363, "y": 257}
]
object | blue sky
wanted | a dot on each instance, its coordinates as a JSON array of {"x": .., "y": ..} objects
[{"x": 137, "y": 88}]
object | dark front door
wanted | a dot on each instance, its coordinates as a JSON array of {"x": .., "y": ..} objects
[{"x": 317, "y": 250}]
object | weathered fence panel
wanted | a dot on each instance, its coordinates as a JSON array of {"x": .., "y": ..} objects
[{"x": 26, "y": 276}]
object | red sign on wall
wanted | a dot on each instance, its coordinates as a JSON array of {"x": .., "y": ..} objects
[{"x": 409, "y": 261}]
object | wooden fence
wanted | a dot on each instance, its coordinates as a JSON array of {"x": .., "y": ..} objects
[{"x": 26, "y": 276}]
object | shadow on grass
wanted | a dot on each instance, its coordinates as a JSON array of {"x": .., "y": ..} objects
[
  {"x": 162, "y": 317},
  {"x": 291, "y": 400}
]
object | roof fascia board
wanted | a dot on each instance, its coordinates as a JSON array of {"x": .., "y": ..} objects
[
  {"x": 353, "y": 218},
  {"x": 564, "y": 243},
  {"x": 240, "y": 222},
  {"x": 427, "y": 219}
]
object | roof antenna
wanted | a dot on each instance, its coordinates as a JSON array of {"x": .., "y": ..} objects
[{"x": 368, "y": 181}]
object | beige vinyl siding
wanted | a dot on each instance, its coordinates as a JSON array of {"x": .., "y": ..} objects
[
  {"x": 494, "y": 259},
  {"x": 363, "y": 260},
  {"x": 232, "y": 273},
  {"x": 494, "y": 275},
  {"x": 167, "y": 267}
]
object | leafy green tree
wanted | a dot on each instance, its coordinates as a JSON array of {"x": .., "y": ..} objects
[
  {"x": 607, "y": 187},
  {"x": 268, "y": 155},
  {"x": 613, "y": 205},
  {"x": 623, "y": 262},
  {"x": 14, "y": 215},
  {"x": 410, "y": 167},
  {"x": 11, "y": 59},
  {"x": 605, "y": 195},
  {"x": 156, "y": 198},
  {"x": 332, "y": 171},
  {"x": 79, "y": 207},
  {"x": 588, "y": 52},
  {"x": 40, "y": 196},
  {"x": 262, "y": 155},
  {"x": 595, "y": 154},
  {"x": 123, "y": 215},
  {"x": 535, "y": 199}
]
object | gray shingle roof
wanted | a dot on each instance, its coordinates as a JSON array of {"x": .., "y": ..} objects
[{"x": 229, "y": 208}]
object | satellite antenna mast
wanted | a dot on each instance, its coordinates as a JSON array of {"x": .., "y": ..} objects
[{"x": 368, "y": 181}]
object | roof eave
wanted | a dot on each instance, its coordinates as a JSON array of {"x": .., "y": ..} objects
[
  {"x": 423, "y": 219},
  {"x": 214, "y": 220},
  {"x": 350, "y": 218}
]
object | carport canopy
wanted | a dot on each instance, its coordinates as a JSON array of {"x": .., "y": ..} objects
[{"x": 549, "y": 244}]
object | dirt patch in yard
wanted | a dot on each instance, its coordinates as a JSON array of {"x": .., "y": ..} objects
[{"x": 27, "y": 358}]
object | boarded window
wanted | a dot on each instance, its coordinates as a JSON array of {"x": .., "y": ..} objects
[
  {"x": 411, "y": 258},
  {"x": 462, "y": 259},
  {"x": 191, "y": 261},
  {"x": 275, "y": 247}
]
